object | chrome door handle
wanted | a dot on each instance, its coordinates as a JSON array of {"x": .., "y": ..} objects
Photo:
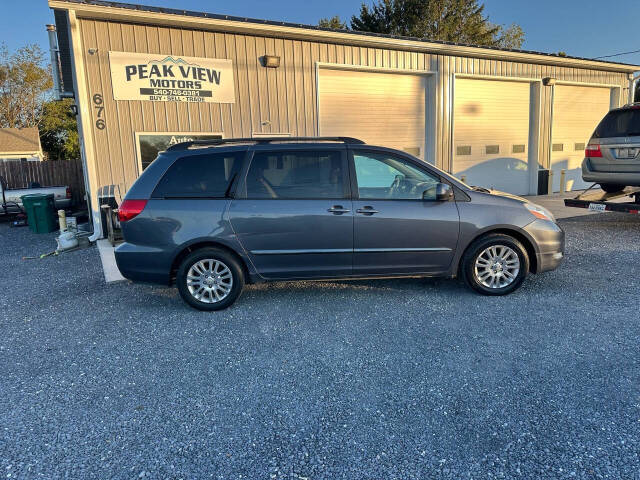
[
  {"x": 338, "y": 210},
  {"x": 367, "y": 211}
]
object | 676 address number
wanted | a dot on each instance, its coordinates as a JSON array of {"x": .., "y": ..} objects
[{"x": 98, "y": 104}]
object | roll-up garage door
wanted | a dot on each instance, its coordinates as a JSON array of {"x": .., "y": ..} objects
[
  {"x": 491, "y": 133},
  {"x": 576, "y": 113},
  {"x": 385, "y": 109}
]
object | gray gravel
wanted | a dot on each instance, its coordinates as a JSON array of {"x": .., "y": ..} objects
[{"x": 407, "y": 379}]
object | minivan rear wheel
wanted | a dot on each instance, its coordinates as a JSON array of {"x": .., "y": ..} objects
[
  {"x": 611, "y": 187},
  {"x": 495, "y": 264},
  {"x": 210, "y": 279}
]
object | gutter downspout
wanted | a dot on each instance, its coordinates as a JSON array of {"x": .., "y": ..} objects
[
  {"x": 55, "y": 63},
  {"x": 83, "y": 102}
]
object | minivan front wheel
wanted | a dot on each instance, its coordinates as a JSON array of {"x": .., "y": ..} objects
[
  {"x": 209, "y": 279},
  {"x": 495, "y": 264}
]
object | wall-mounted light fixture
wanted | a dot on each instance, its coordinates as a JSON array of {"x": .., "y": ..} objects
[
  {"x": 548, "y": 81},
  {"x": 92, "y": 51},
  {"x": 270, "y": 61}
]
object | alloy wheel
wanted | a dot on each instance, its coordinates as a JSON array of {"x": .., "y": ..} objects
[
  {"x": 209, "y": 280},
  {"x": 497, "y": 266}
]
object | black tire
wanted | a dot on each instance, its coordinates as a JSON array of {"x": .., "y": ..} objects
[
  {"x": 478, "y": 248},
  {"x": 611, "y": 187},
  {"x": 209, "y": 292}
]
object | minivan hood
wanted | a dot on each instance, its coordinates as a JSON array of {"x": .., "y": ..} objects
[{"x": 498, "y": 193}]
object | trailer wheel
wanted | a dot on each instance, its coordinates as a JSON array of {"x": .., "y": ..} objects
[{"x": 611, "y": 187}]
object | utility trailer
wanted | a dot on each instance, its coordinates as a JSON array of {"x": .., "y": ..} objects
[{"x": 604, "y": 202}]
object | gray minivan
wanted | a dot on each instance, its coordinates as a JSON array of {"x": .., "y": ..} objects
[
  {"x": 214, "y": 215},
  {"x": 612, "y": 157}
]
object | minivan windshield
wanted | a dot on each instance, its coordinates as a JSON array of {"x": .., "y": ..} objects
[{"x": 619, "y": 123}]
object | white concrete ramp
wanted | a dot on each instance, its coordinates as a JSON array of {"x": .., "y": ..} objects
[{"x": 108, "y": 259}]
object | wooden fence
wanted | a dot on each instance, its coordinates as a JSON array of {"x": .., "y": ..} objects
[{"x": 21, "y": 173}]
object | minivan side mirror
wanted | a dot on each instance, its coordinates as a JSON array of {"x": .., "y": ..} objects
[{"x": 441, "y": 192}]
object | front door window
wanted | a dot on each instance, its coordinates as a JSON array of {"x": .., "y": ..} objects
[{"x": 387, "y": 177}]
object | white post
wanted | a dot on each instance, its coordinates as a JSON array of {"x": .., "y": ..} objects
[{"x": 62, "y": 220}]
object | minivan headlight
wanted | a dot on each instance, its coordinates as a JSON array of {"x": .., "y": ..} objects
[{"x": 540, "y": 212}]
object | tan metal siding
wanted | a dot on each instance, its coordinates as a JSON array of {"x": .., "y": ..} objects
[{"x": 286, "y": 97}]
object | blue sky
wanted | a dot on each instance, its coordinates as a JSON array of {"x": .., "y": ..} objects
[{"x": 586, "y": 28}]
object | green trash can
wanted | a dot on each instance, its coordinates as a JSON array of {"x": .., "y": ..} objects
[{"x": 41, "y": 212}]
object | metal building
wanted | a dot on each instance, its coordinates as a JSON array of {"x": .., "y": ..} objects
[{"x": 146, "y": 77}]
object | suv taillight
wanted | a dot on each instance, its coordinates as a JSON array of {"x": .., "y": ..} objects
[
  {"x": 130, "y": 209},
  {"x": 68, "y": 192},
  {"x": 593, "y": 150}
]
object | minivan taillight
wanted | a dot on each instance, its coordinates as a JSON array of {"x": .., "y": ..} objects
[
  {"x": 593, "y": 150},
  {"x": 130, "y": 209}
]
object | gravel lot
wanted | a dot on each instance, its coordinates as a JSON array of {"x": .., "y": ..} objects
[{"x": 407, "y": 379}]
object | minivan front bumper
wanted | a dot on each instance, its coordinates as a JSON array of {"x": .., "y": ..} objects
[{"x": 549, "y": 239}]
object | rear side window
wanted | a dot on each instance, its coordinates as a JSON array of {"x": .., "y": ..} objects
[
  {"x": 619, "y": 123},
  {"x": 200, "y": 176},
  {"x": 300, "y": 175}
]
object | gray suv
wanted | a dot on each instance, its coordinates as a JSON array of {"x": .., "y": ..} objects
[
  {"x": 214, "y": 215},
  {"x": 612, "y": 157}
]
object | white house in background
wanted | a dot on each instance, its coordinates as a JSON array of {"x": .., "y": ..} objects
[{"x": 20, "y": 144}]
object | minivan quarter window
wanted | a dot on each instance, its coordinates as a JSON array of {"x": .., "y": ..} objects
[
  {"x": 297, "y": 175},
  {"x": 383, "y": 176},
  {"x": 200, "y": 176}
]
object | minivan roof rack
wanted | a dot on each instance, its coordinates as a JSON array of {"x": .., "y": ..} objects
[{"x": 223, "y": 141}]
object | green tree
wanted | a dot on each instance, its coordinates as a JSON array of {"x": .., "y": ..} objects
[
  {"x": 461, "y": 21},
  {"x": 510, "y": 37},
  {"x": 59, "y": 130},
  {"x": 334, "y": 23},
  {"x": 24, "y": 82}
]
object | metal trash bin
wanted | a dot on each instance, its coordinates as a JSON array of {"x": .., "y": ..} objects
[{"x": 41, "y": 212}]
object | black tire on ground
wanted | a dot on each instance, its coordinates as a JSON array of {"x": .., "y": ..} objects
[
  {"x": 480, "y": 245},
  {"x": 216, "y": 255},
  {"x": 611, "y": 187}
]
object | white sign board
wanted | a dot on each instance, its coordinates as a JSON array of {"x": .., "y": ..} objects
[{"x": 171, "y": 78}]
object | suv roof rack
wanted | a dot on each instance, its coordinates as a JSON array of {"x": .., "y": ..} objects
[{"x": 223, "y": 141}]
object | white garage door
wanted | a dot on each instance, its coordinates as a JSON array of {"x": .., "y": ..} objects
[
  {"x": 491, "y": 134},
  {"x": 576, "y": 113},
  {"x": 386, "y": 109}
]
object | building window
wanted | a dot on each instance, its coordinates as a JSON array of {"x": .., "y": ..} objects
[
  {"x": 518, "y": 148},
  {"x": 463, "y": 150},
  {"x": 492, "y": 149},
  {"x": 151, "y": 144},
  {"x": 578, "y": 146},
  {"x": 558, "y": 147}
]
